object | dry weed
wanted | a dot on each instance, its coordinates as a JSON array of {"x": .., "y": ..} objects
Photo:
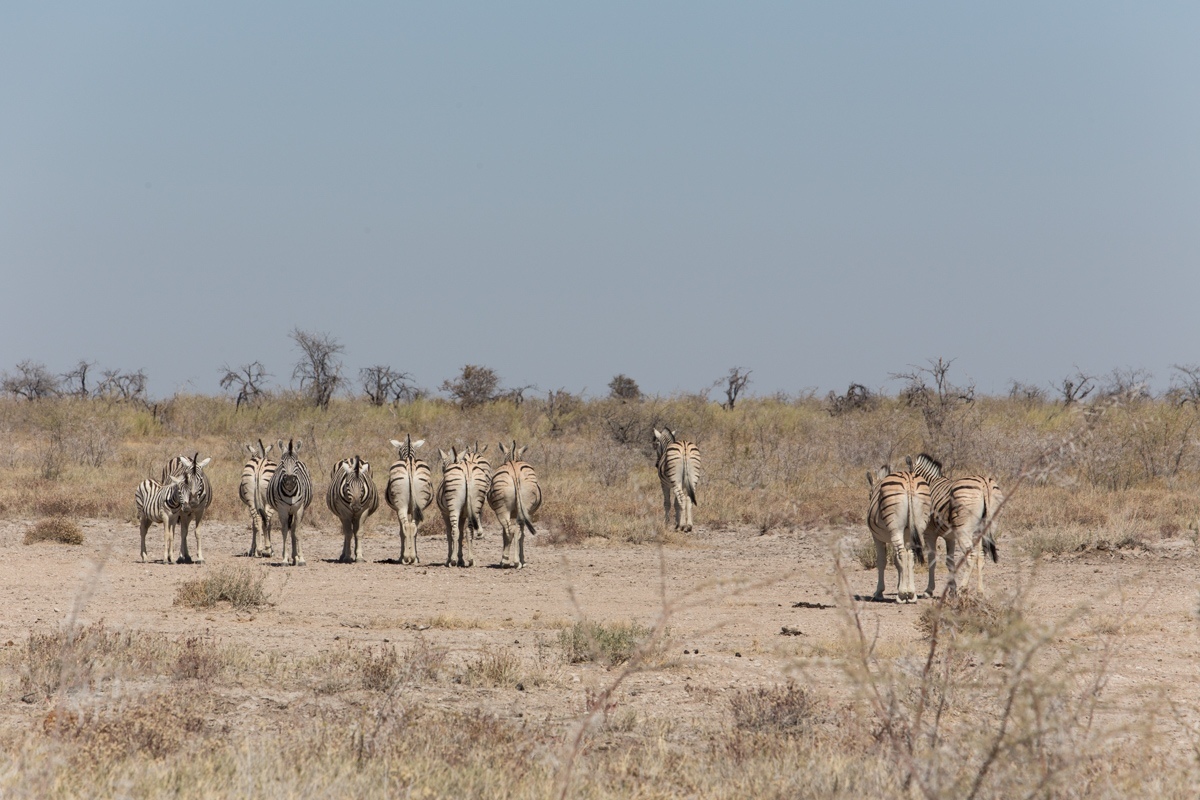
[{"x": 55, "y": 529}]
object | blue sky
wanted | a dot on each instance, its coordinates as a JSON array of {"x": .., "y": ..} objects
[{"x": 819, "y": 192}]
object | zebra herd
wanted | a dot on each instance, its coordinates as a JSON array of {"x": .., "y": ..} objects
[
  {"x": 282, "y": 490},
  {"x": 911, "y": 509}
]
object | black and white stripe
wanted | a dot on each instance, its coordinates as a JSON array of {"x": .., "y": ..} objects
[
  {"x": 352, "y": 498},
  {"x": 465, "y": 482},
  {"x": 160, "y": 503},
  {"x": 514, "y": 496},
  {"x": 289, "y": 492},
  {"x": 897, "y": 514},
  {"x": 679, "y": 473},
  {"x": 409, "y": 492},
  {"x": 252, "y": 490},
  {"x": 200, "y": 496},
  {"x": 963, "y": 515}
]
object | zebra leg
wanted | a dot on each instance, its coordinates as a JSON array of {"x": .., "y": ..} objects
[
  {"x": 408, "y": 541},
  {"x": 466, "y": 546},
  {"x": 951, "y": 567},
  {"x": 199, "y": 545},
  {"x": 903, "y": 559},
  {"x": 297, "y": 550},
  {"x": 347, "y": 534},
  {"x": 880, "y": 567},
  {"x": 506, "y": 537},
  {"x": 931, "y": 560},
  {"x": 668, "y": 495},
  {"x": 683, "y": 510},
  {"x": 521, "y": 544},
  {"x": 452, "y": 538},
  {"x": 266, "y": 549},
  {"x": 358, "y": 523},
  {"x": 145, "y": 526},
  {"x": 253, "y": 551},
  {"x": 169, "y": 534}
]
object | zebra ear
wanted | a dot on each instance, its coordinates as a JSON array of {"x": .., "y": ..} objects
[
  {"x": 204, "y": 463},
  {"x": 250, "y": 449},
  {"x": 503, "y": 450},
  {"x": 657, "y": 435},
  {"x": 446, "y": 459},
  {"x": 176, "y": 479},
  {"x": 281, "y": 447},
  {"x": 418, "y": 443},
  {"x": 187, "y": 462},
  {"x": 298, "y": 443},
  {"x": 266, "y": 448},
  {"x": 396, "y": 444},
  {"x": 870, "y": 479}
]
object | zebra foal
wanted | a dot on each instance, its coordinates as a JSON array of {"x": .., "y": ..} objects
[
  {"x": 352, "y": 498},
  {"x": 897, "y": 514},
  {"x": 409, "y": 492},
  {"x": 678, "y": 465},
  {"x": 252, "y": 490},
  {"x": 514, "y": 495},
  {"x": 160, "y": 503},
  {"x": 289, "y": 493}
]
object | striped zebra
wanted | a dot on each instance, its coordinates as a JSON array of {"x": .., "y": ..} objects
[
  {"x": 514, "y": 496},
  {"x": 200, "y": 496},
  {"x": 162, "y": 503},
  {"x": 464, "y": 488},
  {"x": 409, "y": 492},
  {"x": 252, "y": 490},
  {"x": 962, "y": 514},
  {"x": 679, "y": 473},
  {"x": 483, "y": 475},
  {"x": 898, "y": 514},
  {"x": 290, "y": 492},
  {"x": 352, "y": 497}
]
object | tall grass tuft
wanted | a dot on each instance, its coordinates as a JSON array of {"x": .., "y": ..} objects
[
  {"x": 54, "y": 529},
  {"x": 241, "y": 587}
]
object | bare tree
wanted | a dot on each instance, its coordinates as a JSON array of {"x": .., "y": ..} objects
[
  {"x": 319, "y": 368},
  {"x": 943, "y": 405},
  {"x": 1127, "y": 385},
  {"x": 125, "y": 387},
  {"x": 76, "y": 381},
  {"x": 623, "y": 387},
  {"x": 1185, "y": 386},
  {"x": 516, "y": 395},
  {"x": 248, "y": 380},
  {"x": 474, "y": 386},
  {"x": 382, "y": 384},
  {"x": 1074, "y": 388},
  {"x": 31, "y": 381},
  {"x": 1027, "y": 393},
  {"x": 735, "y": 383},
  {"x": 856, "y": 398}
]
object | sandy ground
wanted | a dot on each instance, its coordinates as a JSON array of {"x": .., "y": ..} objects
[{"x": 731, "y": 593}]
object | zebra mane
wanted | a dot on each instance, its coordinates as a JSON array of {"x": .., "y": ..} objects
[{"x": 928, "y": 466}]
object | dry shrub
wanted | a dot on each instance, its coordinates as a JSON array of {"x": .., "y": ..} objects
[
  {"x": 495, "y": 667},
  {"x": 787, "y": 710},
  {"x": 240, "y": 587},
  {"x": 609, "y": 644},
  {"x": 199, "y": 658},
  {"x": 63, "y": 660},
  {"x": 55, "y": 529},
  {"x": 565, "y": 528},
  {"x": 968, "y": 612},
  {"x": 154, "y": 726},
  {"x": 379, "y": 672}
]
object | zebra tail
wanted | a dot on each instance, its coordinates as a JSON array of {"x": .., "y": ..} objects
[
  {"x": 522, "y": 514},
  {"x": 688, "y": 480},
  {"x": 914, "y": 537}
]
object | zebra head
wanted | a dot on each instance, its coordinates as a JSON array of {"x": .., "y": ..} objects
[
  {"x": 661, "y": 439},
  {"x": 177, "y": 493},
  {"x": 407, "y": 449},
  {"x": 928, "y": 467}
]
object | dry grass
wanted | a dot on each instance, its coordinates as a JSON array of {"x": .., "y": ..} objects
[
  {"x": 609, "y": 644},
  {"x": 55, "y": 529},
  {"x": 242, "y": 588}
]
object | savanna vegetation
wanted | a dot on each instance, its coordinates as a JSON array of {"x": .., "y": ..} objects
[{"x": 991, "y": 703}]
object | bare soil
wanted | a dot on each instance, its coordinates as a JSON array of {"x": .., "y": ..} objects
[{"x": 746, "y": 609}]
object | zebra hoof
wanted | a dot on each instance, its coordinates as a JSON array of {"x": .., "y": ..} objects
[{"x": 300, "y": 562}]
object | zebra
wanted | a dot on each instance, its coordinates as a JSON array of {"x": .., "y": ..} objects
[
  {"x": 161, "y": 502},
  {"x": 678, "y": 467},
  {"x": 290, "y": 492},
  {"x": 514, "y": 495},
  {"x": 482, "y": 475},
  {"x": 352, "y": 498},
  {"x": 252, "y": 490},
  {"x": 200, "y": 491},
  {"x": 464, "y": 488},
  {"x": 963, "y": 514},
  {"x": 898, "y": 514},
  {"x": 409, "y": 492}
]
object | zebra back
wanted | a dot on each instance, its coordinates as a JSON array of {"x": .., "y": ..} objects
[
  {"x": 514, "y": 485},
  {"x": 899, "y": 503},
  {"x": 961, "y": 503},
  {"x": 466, "y": 478},
  {"x": 410, "y": 481},
  {"x": 256, "y": 473},
  {"x": 678, "y": 462},
  {"x": 351, "y": 489},
  {"x": 291, "y": 486}
]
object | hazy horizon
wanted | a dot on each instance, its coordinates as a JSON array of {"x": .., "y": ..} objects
[{"x": 822, "y": 193}]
